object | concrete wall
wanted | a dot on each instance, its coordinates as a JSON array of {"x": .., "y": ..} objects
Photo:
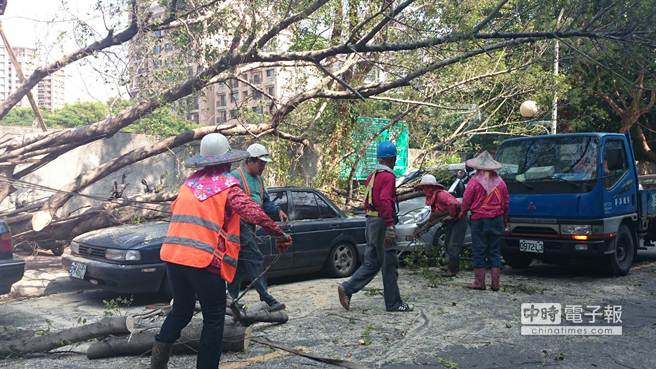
[{"x": 164, "y": 171}]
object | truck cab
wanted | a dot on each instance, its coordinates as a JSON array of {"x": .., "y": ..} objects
[{"x": 574, "y": 196}]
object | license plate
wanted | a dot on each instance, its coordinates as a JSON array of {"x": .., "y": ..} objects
[
  {"x": 531, "y": 246},
  {"x": 77, "y": 270}
]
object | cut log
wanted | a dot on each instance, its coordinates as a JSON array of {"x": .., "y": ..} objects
[
  {"x": 45, "y": 343},
  {"x": 236, "y": 337},
  {"x": 259, "y": 313},
  {"x": 250, "y": 317}
]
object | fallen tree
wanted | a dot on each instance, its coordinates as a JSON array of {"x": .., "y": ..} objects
[
  {"x": 134, "y": 335},
  {"x": 236, "y": 337},
  {"x": 365, "y": 38},
  {"x": 47, "y": 342}
]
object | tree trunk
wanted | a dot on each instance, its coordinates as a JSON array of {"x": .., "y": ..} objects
[
  {"x": 236, "y": 337},
  {"x": 45, "y": 343},
  {"x": 643, "y": 145},
  {"x": 154, "y": 207}
]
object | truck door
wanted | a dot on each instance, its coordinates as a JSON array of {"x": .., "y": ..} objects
[{"x": 620, "y": 195}]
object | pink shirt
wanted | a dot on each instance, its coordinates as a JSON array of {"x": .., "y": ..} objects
[{"x": 483, "y": 205}]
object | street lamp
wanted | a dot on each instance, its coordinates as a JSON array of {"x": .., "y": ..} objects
[{"x": 529, "y": 110}]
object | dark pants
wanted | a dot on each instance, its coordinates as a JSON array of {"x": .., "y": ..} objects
[
  {"x": 486, "y": 242},
  {"x": 455, "y": 238},
  {"x": 249, "y": 264},
  {"x": 376, "y": 256},
  {"x": 189, "y": 283}
]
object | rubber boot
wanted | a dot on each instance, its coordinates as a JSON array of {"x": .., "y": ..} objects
[
  {"x": 479, "y": 279},
  {"x": 159, "y": 356},
  {"x": 496, "y": 275},
  {"x": 452, "y": 271}
]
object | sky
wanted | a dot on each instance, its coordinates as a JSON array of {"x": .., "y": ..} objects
[{"x": 29, "y": 23}]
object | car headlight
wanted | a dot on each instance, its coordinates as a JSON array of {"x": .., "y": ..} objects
[
  {"x": 113, "y": 254},
  {"x": 75, "y": 248},
  {"x": 415, "y": 216},
  {"x": 578, "y": 229},
  {"x": 132, "y": 255}
]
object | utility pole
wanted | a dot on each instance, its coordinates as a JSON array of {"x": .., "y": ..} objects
[
  {"x": 554, "y": 108},
  {"x": 19, "y": 71}
]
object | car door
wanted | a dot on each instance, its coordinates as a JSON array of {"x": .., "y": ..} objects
[
  {"x": 619, "y": 194},
  {"x": 315, "y": 225},
  {"x": 267, "y": 243}
]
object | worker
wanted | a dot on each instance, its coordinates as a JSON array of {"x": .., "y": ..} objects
[
  {"x": 251, "y": 259},
  {"x": 487, "y": 198},
  {"x": 445, "y": 208},
  {"x": 380, "y": 203},
  {"x": 202, "y": 246}
]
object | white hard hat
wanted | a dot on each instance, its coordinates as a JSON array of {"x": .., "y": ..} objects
[
  {"x": 428, "y": 180},
  {"x": 258, "y": 151},
  {"x": 214, "y": 144},
  {"x": 215, "y": 149}
]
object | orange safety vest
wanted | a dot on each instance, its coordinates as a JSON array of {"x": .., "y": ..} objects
[
  {"x": 493, "y": 200},
  {"x": 195, "y": 230}
]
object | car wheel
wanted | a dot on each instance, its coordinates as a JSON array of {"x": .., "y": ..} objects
[
  {"x": 342, "y": 260},
  {"x": 57, "y": 250},
  {"x": 621, "y": 260},
  {"x": 518, "y": 261}
]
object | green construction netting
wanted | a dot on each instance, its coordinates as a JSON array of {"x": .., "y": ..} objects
[{"x": 365, "y": 129}]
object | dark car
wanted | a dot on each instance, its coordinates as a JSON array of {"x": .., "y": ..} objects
[
  {"x": 11, "y": 268},
  {"x": 126, "y": 258}
]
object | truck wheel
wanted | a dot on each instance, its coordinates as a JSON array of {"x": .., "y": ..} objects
[
  {"x": 518, "y": 261},
  {"x": 621, "y": 260},
  {"x": 342, "y": 260}
]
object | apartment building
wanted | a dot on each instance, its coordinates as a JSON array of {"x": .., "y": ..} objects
[
  {"x": 49, "y": 93},
  {"x": 8, "y": 78}
]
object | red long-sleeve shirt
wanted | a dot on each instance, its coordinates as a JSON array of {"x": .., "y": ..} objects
[
  {"x": 474, "y": 200},
  {"x": 442, "y": 202},
  {"x": 383, "y": 196}
]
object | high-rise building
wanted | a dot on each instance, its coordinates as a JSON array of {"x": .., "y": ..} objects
[
  {"x": 49, "y": 93},
  {"x": 9, "y": 80}
]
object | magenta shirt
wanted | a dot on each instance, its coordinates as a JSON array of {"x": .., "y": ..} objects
[{"x": 483, "y": 205}]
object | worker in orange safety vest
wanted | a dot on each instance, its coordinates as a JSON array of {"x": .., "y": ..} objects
[{"x": 201, "y": 248}]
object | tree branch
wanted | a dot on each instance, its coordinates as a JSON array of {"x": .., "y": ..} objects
[
  {"x": 386, "y": 19},
  {"x": 489, "y": 17},
  {"x": 275, "y": 30}
]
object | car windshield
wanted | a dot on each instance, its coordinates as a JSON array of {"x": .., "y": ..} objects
[{"x": 570, "y": 160}]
